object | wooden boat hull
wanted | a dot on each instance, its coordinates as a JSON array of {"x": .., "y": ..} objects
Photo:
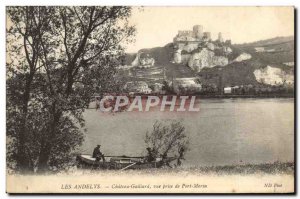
[{"x": 117, "y": 162}]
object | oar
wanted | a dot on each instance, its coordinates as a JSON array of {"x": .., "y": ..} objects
[
  {"x": 124, "y": 156},
  {"x": 128, "y": 166}
]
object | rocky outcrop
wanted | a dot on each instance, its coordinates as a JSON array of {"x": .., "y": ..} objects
[
  {"x": 189, "y": 47},
  {"x": 242, "y": 57},
  {"x": 198, "y": 55},
  {"x": 227, "y": 50},
  {"x": 185, "y": 58},
  {"x": 136, "y": 61},
  {"x": 273, "y": 76},
  {"x": 143, "y": 60},
  {"x": 289, "y": 63},
  {"x": 206, "y": 58},
  {"x": 177, "y": 56},
  {"x": 200, "y": 60},
  {"x": 219, "y": 61},
  {"x": 211, "y": 46},
  {"x": 147, "y": 62}
]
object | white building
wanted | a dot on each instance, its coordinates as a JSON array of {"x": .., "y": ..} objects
[
  {"x": 137, "y": 87},
  {"x": 227, "y": 90},
  {"x": 186, "y": 84}
]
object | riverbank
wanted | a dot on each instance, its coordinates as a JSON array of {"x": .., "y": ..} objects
[
  {"x": 226, "y": 96},
  {"x": 274, "y": 168}
]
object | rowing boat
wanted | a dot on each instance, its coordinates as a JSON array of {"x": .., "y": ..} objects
[{"x": 121, "y": 162}]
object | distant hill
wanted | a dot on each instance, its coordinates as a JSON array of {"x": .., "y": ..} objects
[
  {"x": 242, "y": 72},
  {"x": 275, "y": 40},
  {"x": 283, "y": 50}
]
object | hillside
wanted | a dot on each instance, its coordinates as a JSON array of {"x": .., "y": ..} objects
[
  {"x": 162, "y": 56},
  {"x": 275, "y": 52}
]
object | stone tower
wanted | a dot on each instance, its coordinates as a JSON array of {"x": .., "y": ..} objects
[
  {"x": 220, "y": 38},
  {"x": 198, "y": 31}
]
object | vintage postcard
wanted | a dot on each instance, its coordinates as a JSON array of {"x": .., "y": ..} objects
[{"x": 120, "y": 99}]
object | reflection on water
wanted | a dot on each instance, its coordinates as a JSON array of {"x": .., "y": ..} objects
[{"x": 225, "y": 131}]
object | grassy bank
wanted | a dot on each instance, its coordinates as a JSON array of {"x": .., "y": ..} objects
[
  {"x": 267, "y": 168},
  {"x": 285, "y": 95},
  {"x": 276, "y": 168}
]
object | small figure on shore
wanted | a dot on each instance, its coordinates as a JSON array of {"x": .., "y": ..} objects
[
  {"x": 97, "y": 154},
  {"x": 181, "y": 155},
  {"x": 97, "y": 104},
  {"x": 150, "y": 156},
  {"x": 165, "y": 160}
]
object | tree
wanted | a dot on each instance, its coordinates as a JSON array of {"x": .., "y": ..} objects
[
  {"x": 79, "y": 49},
  {"x": 167, "y": 139},
  {"x": 22, "y": 79}
]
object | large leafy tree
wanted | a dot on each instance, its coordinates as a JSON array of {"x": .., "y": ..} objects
[
  {"x": 75, "y": 54},
  {"x": 23, "y": 82}
]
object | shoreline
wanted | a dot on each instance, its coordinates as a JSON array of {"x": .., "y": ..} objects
[{"x": 245, "y": 96}]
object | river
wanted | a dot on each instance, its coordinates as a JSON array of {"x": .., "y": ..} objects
[{"x": 223, "y": 132}]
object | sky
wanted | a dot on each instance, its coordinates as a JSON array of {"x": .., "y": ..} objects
[{"x": 157, "y": 26}]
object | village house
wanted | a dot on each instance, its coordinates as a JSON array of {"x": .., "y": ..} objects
[
  {"x": 186, "y": 85},
  {"x": 137, "y": 87}
]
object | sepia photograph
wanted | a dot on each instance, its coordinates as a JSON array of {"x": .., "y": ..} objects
[{"x": 150, "y": 99}]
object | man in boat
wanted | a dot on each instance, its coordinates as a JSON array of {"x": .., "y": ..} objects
[
  {"x": 150, "y": 157},
  {"x": 97, "y": 154}
]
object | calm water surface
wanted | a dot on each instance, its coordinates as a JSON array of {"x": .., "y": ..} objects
[{"x": 225, "y": 131}]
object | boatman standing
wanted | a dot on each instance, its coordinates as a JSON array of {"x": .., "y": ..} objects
[
  {"x": 150, "y": 156},
  {"x": 181, "y": 156},
  {"x": 97, "y": 154}
]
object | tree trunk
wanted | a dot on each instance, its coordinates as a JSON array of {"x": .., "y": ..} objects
[
  {"x": 44, "y": 158},
  {"x": 47, "y": 142},
  {"x": 23, "y": 162}
]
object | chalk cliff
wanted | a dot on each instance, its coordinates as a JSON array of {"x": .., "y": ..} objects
[
  {"x": 242, "y": 57},
  {"x": 273, "y": 76},
  {"x": 240, "y": 63},
  {"x": 200, "y": 58},
  {"x": 205, "y": 58},
  {"x": 143, "y": 60}
]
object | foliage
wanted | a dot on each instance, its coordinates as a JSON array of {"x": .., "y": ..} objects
[
  {"x": 58, "y": 57},
  {"x": 167, "y": 87},
  {"x": 167, "y": 138}
]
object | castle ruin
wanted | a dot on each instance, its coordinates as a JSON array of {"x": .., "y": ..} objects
[
  {"x": 220, "y": 37},
  {"x": 195, "y": 35},
  {"x": 196, "y": 49}
]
